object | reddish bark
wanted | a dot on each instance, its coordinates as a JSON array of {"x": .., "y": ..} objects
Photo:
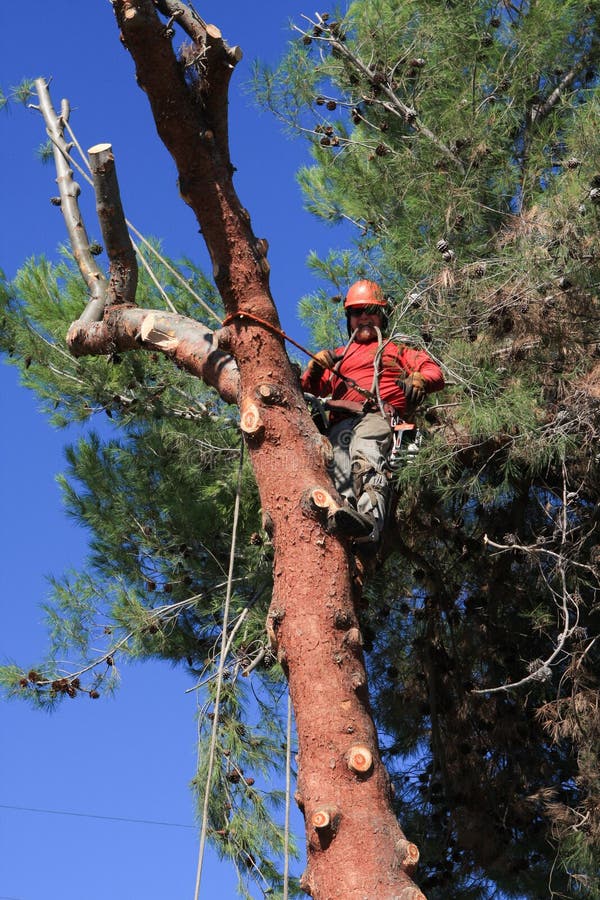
[{"x": 355, "y": 846}]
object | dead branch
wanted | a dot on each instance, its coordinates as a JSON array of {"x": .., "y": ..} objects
[
  {"x": 119, "y": 248},
  {"x": 539, "y": 670},
  {"x": 69, "y": 204}
]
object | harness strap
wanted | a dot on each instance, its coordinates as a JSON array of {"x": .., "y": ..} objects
[
  {"x": 356, "y": 409},
  {"x": 349, "y": 406}
]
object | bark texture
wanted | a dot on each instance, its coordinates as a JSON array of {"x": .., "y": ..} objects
[{"x": 356, "y": 849}]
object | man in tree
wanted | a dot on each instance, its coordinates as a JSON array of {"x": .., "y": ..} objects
[{"x": 372, "y": 382}]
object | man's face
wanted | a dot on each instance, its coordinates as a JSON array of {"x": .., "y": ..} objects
[{"x": 367, "y": 318}]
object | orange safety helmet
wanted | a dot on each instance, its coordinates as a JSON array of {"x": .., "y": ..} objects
[{"x": 364, "y": 293}]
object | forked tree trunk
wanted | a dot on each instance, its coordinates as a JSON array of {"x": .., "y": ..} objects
[{"x": 356, "y": 850}]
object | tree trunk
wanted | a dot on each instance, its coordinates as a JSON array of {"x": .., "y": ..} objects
[{"x": 355, "y": 846}]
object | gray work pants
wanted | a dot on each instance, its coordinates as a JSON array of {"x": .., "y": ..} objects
[{"x": 360, "y": 448}]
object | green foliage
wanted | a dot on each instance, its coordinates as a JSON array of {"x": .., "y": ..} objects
[
  {"x": 39, "y": 307},
  {"x": 45, "y": 152},
  {"x": 23, "y": 92},
  {"x": 461, "y": 141}
]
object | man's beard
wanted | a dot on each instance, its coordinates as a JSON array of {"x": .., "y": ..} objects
[{"x": 365, "y": 334}]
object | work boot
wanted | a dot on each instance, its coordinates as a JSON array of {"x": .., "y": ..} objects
[{"x": 351, "y": 523}]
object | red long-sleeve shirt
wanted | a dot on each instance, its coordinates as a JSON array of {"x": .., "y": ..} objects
[{"x": 396, "y": 362}]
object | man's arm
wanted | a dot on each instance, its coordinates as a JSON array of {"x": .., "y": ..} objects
[
  {"x": 317, "y": 377},
  {"x": 423, "y": 376},
  {"x": 418, "y": 362}
]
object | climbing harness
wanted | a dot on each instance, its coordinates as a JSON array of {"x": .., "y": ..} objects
[{"x": 406, "y": 437}]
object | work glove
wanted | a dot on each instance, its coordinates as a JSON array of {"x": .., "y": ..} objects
[
  {"x": 414, "y": 388},
  {"x": 324, "y": 359}
]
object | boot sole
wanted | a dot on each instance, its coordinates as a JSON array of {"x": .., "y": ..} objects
[{"x": 351, "y": 523}]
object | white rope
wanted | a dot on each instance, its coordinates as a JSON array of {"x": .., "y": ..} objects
[
  {"x": 184, "y": 283},
  {"x": 224, "y": 646},
  {"x": 377, "y": 371},
  {"x": 154, "y": 278},
  {"x": 288, "y": 791}
]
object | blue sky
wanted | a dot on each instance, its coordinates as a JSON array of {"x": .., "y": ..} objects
[{"x": 131, "y": 757}]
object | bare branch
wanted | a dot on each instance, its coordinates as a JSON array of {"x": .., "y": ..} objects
[
  {"x": 69, "y": 204},
  {"x": 540, "y": 669},
  {"x": 119, "y": 248},
  {"x": 534, "y": 550}
]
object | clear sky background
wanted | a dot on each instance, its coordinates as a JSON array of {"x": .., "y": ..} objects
[{"x": 111, "y": 761}]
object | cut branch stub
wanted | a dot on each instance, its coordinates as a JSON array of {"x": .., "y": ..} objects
[
  {"x": 343, "y": 620},
  {"x": 269, "y": 394},
  {"x": 152, "y": 332},
  {"x": 299, "y": 801},
  {"x": 319, "y": 499},
  {"x": 408, "y": 856},
  {"x": 326, "y": 818},
  {"x": 274, "y": 620},
  {"x": 353, "y": 638},
  {"x": 321, "y": 819},
  {"x": 358, "y": 680},
  {"x": 360, "y": 759},
  {"x": 198, "y": 30},
  {"x": 250, "y": 420}
]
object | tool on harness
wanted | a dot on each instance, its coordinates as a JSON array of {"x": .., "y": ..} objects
[
  {"x": 406, "y": 437},
  {"x": 318, "y": 412},
  {"x": 406, "y": 440}
]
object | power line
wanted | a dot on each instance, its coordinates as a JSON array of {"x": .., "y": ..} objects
[{"x": 62, "y": 812}]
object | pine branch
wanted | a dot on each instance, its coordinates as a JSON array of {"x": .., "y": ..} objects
[
  {"x": 394, "y": 104},
  {"x": 70, "y": 682},
  {"x": 540, "y": 112}
]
